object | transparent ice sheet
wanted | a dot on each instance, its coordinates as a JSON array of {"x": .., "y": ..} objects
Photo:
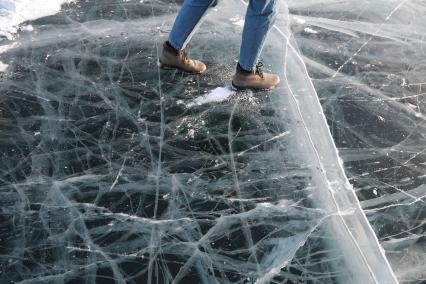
[{"x": 113, "y": 171}]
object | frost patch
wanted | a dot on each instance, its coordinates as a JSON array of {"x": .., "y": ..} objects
[
  {"x": 299, "y": 20},
  {"x": 217, "y": 95},
  {"x": 310, "y": 31},
  {"x": 238, "y": 21},
  {"x": 28, "y": 28},
  {"x": 3, "y": 66}
]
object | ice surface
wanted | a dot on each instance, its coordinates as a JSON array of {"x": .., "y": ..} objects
[{"x": 113, "y": 171}]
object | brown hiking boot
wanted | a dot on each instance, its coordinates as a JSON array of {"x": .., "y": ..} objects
[
  {"x": 254, "y": 79},
  {"x": 171, "y": 58}
]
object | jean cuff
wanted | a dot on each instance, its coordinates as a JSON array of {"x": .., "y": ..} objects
[
  {"x": 174, "y": 45},
  {"x": 246, "y": 67}
]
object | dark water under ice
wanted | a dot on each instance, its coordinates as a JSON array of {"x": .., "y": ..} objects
[{"x": 113, "y": 171}]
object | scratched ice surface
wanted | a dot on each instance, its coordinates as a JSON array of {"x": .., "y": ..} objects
[{"x": 113, "y": 171}]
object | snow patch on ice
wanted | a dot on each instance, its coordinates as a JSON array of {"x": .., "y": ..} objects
[
  {"x": 300, "y": 20},
  {"x": 310, "y": 31},
  {"x": 15, "y": 12},
  {"x": 3, "y": 66},
  {"x": 217, "y": 95},
  {"x": 28, "y": 28},
  {"x": 7, "y": 47},
  {"x": 238, "y": 21}
]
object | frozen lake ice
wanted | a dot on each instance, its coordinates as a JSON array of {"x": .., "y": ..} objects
[{"x": 114, "y": 171}]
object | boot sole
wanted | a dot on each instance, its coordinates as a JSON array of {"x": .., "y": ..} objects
[
  {"x": 237, "y": 88},
  {"x": 171, "y": 67}
]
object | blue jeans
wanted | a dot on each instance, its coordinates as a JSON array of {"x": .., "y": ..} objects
[{"x": 259, "y": 19}]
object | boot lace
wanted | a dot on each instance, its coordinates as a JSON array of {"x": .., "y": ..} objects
[
  {"x": 184, "y": 55},
  {"x": 258, "y": 69}
]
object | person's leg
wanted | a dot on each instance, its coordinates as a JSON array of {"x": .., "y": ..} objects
[
  {"x": 187, "y": 21},
  {"x": 173, "y": 55},
  {"x": 260, "y": 17}
]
